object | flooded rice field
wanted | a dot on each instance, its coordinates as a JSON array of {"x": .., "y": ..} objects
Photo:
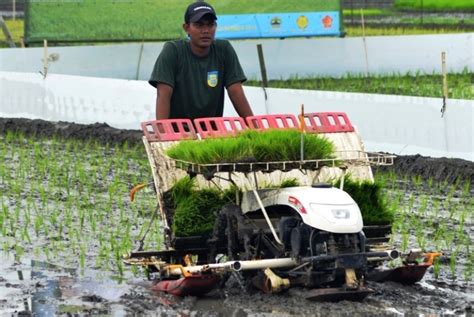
[{"x": 66, "y": 220}]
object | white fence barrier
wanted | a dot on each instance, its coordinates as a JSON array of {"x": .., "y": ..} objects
[
  {"x": 283, "y": 58},
  {"x": 395, "y": 124}
]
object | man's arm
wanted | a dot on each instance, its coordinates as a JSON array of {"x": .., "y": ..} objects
[
  {"x": 240, "y": 102},
  {"x": 163, "y": 101}
]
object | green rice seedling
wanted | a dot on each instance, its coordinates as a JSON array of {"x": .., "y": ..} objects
[
  {"x": 291, "y": 182},
  {"x": 417, "y": 181},
  {"x": 449, "y": 205},
  {"x": 442, "y": 5},
  {"x": 411, "y": 201},
  {"x": 253, "y": 146},
  {"x": 455, "y": 186},
  {"x": 462, "y": 219},
  {"x": 449, "y": 239},
  {"x": 6, "y": 246},
  {"x": 25, "y": 235},
  {"x": 195, "y": 210},
  {"x": 420, "y": 235},
  {"x": 436, "y": 207},
  {"x": 2, "y": 218},
  {"x": 423, "y": 205},
  {"x": 423, "y": 85},
  {"x": 372, "y": 203},
  {"x": 82, "y": 257},
  {"x": 19, "y": 252},
  {"x": 452, "y": 263},
  {"x": 394, "y": 204},
  {"x": 405, "y": 239},
  {"x": 439, "y": 233},
  {"x": 466, "y": 189},
  {"x": 196, "y": 214},
  {"x": 392, "y": 180}
]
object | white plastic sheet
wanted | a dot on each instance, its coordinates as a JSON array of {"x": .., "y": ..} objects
[
  {"x": 395, "y": 124},
  {"x": 283, "y": 58}
]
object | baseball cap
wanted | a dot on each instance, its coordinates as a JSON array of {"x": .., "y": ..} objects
[{"x": 197, "y": 10}]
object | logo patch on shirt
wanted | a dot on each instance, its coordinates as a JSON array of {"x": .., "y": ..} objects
[{"x": 212, "y": 78}]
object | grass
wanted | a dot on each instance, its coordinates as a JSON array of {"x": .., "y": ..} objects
[
  {"x": 356, "y": 31},
  {"x": 90, "y": 20},
  {"x": 16, "y": 30},
  {"x": 367, "y": 12},
  {"x": 410, "y": 84},
  {"x": 253, "y": 146},
  {"x": 435, "y": 5}
]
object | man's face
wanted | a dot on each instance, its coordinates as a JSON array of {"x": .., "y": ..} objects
[{"x": 202, "y": 32}]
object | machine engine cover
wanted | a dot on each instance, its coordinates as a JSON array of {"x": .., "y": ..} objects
[{"x": 325, "y": 208}]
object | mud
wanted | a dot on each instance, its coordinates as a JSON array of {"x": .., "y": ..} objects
[
  {"x": 448, "y": 170},
  {"x": 97, "y": 131},
  {"x": 33, "y": 286}
]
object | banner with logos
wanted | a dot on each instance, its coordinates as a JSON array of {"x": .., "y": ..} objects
[{"x": 325, "y": 23}]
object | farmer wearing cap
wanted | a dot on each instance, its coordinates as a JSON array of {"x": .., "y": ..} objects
[{"x": 190, "y": 75}]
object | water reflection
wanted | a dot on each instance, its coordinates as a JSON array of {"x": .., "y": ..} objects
[{"x": 38, "y": 288}]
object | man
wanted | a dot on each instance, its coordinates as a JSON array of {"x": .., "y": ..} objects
[{"x": 190, "y": 75}]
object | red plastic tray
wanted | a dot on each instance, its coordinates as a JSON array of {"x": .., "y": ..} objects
[{"x": 169, "y": 130}]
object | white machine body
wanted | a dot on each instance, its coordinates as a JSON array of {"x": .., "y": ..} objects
[{"x": 328, "y": 208}]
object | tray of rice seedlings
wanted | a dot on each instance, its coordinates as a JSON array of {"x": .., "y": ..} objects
[
  {"x": 252, "y": 150},
  {"x": 372, "y": 203},
  {"x": 377, "y": 213},
  {"x": 192, "y": 211}
]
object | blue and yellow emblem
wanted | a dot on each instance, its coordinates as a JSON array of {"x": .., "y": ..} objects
[{"x": 212, "y": 78}]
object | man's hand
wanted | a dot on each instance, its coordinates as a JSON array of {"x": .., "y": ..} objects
[
  {"x": 240, "y": 102},
  {"x": 163, "y": 100}
]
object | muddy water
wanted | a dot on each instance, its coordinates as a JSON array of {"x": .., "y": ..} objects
[
  {"x": 32, "y": 286},
  {"x": 36, "y": 288}
]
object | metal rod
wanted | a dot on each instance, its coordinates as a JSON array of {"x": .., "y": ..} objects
[
  {"x": 265, "y": 214},
  {"x": 263, "y": 71},
  {"x": 263, "y": 264},
  {"x": 445, "y": 82},
  {"x": 365, "y": 43},
  {"x": 45, "y": 58},
  {"x": 390, "y": 254},
  {"x": 139, "y": 61},
  {"x": 341, "y": 186},
  {"x": 272, "y": 263}
]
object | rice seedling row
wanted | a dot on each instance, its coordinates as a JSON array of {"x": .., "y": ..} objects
[
  {"x": 67, "y": 201},
  {"x": 438, "y": 218},
  {"x": 409, "y": 84}
]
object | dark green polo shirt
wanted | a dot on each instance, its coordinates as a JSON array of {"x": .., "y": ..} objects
[{"x": 198, "y": 82}]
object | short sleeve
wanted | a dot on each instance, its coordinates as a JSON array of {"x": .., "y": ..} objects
[
  {"x": 165, "y": 66},
  {"x": 233, "y": 70}
]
